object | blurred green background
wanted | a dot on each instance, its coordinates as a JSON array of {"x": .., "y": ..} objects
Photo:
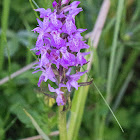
[{"x": 17, "y": 19}]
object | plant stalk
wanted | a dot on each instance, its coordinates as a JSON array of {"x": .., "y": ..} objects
[
  {"x": 4, "y": 26},
  {"x": 113, "y": 50},
  {"x": 62, "y": 124}
]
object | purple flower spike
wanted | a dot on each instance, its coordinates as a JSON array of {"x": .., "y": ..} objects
[{"x": 58, "y": 47}]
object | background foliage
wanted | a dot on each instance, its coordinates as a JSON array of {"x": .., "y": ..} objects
[{"x": 17, "y": 19}]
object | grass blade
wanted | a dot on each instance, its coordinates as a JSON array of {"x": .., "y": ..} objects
[
  {"x": 33, "y": 9},
  {"x": 119, "y": 58},
  {"x": 35, "y": 3},
  {"x": 113, "y": 49},
  {"x": 121, "y": 94},
  {"x": 108, "y": 106},
  {"x": 126, "y": 68},
  {"x": 10, "y": 124},
  {"x": 39, "y": 130},
  {"x": 111, "y": 67}
]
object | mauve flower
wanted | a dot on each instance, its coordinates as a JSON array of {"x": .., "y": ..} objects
[
  {"x": 72, "y": 6},
  {"x": 80, "y": 58},
  {"x": 43, "y": 12},
  {"x": 72, "y": 80},
  {"x": 47, "y": 73},
  {"x": 76, "y": 44},
  {"x": 57, "y": 41},
  {"x": 69, "y": 27},
  {"x": 74, "y": 12},
  {"x": 59, "y": 98},
  {"x": 57, "y": 24},
  {"x": 67, "y": 59},
  {"x": 65, "y": 2}
]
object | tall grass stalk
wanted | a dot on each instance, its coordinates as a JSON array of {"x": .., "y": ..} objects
[
  {"x": 37, "y": 127},
  {"x": 29, "y": 55},
  {"x": 119, "y": 57},
  {"x": 4, "y": 26},
  {"x": 121, "y": 94},
  {"x": 9, "y": 61},
  {"x": 113, "y": 49},
  {"x": 112, "y": 64},
  {"x": 32, "y": 5},
  {"x": 126, "y": 68},
  {"x": 136, "y": 14},
  {"x": 35, "y": 3}
]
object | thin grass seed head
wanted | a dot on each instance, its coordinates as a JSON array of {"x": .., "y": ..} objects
[{"x": 59, "y": 44}]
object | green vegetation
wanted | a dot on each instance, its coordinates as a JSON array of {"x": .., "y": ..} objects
[{"x": 26, "y": 112}]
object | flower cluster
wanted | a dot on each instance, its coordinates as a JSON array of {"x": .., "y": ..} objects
[{"x": 59, "y": 43}]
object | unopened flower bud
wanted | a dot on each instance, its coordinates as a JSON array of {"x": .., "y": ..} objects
[{"x": 54, "y": 3}]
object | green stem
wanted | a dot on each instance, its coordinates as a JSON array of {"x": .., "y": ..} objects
[
  {"x": 31, "y": 3},
  {"x": 62, "y": 124},
  {"x": 29, "y": 55},
  {"x": 96, "y": 119},
  {"x": 101, "y": 128},
  {"x": 35, "y": 3},
  {"x": 4, "y": 26}
]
